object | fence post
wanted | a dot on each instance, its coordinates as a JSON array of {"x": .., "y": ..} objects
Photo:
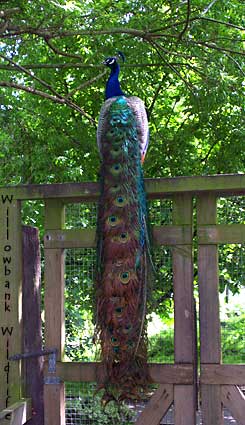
[
  {"x": 208, "y": 280},
  {"x": 54, "y": 397},
  {"x": 184, "y": 326},
  {"x": 10, "y": 301},
  {"x": 32, "y": 325}
]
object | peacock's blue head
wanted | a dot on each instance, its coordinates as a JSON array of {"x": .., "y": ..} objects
[
  {"x": 113, "y": 86},
  {"x": 111, "y": 62}
]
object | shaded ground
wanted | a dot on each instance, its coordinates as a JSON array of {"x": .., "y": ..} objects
[{"x": 169, "y": 418}]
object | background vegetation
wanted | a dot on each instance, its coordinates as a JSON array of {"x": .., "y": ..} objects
[{"x": 184, "y": 58}]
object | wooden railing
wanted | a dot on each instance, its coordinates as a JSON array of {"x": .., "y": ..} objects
[{"x": 177, "y": 382}]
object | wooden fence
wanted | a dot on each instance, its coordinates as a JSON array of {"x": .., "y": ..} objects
[{"x": 177, "y": 382}]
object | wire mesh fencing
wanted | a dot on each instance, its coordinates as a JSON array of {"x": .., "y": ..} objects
[
  {"x": 83, "y": 404},
  {"x": 231, "y": 210}
]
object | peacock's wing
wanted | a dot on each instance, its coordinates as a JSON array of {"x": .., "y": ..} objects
[{"x": 138, "y": 108}]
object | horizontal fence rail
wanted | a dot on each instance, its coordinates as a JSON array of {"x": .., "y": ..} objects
[{"x": 156, "y": 188}]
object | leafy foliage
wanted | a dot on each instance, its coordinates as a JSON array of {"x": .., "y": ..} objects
[
  {"x": 183, "y": 58},
  {"x": 92, "y": 411},
  {"x": 232, "y": 335}
]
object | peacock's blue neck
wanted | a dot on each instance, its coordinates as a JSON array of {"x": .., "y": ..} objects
[{"x": 113, "y": 86}]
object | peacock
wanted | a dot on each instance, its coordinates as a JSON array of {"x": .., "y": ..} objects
[{"x": 123, "y": 249}]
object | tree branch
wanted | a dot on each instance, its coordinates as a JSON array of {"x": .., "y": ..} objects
[
  {"x": 204, "y": 159},
  {"x": 9, "y": 12},
  {"x": 193, "y": 19},
  {"x": 51, "y": 33},
  {"x": 214, "y": 47},
  {"x": 31, "y": 74},
  {"x": 187, "y": 20},
  {"x": 87, "y": 66},
  {"x": 158, "y": 47},
  {"x": 55, "y": 99},
  {"x": 159, "y": 88},
  {"x": 207, "y": 8},
  {"x": 52, "y": 65},
  {"x": 236, "y": 63},
  {"x": 86, "y": 84},
  {"x": 59, "y": 52},
  {"x": 216, "y": 21}
]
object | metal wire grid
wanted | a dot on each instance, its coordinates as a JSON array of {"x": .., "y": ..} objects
[
  {"x": 82, "y": 406},
  {"x": 228, "y": 419},
  {"x": 81, "y": 215},
  {"x": 160, "y": 211},
  {"x": 32, "y": 214},
  {"x": 161, "y": 335},
  {"x": 84, "y": 215},
  {"x": 80, "y": 275},
  {"x": 79, "y": 304},
  {"x": 232, "y": 280},
  {"x": 231, "y": 210}
]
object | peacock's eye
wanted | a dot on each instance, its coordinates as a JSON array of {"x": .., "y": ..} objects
[
  {"x": 116, "y": 169},
  {"x": 122, "y": 238},
  {"x": 120, "y": 201},
  {"x": 115, "y": 152},
  {"x": 113, "y": 220},
  {"x": 114, "y": 340},
  {"x": 124, "y": 277},
  {"x": 118, "y": 310},
  {"x": 110, "y": 134},
  {"x": 115, "y": 188},
  {"x": 127, "y": 328}
]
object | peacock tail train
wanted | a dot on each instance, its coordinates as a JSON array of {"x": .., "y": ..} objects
[{"x": 123, "y": 249}]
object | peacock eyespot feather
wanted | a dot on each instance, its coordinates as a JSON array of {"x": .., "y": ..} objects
[
  {"x": 110, "y": 134},
  {"x": 114, "y": 341},
  {"x": 127, "y": 329},
  {"x": 116, "y": 169},
  {"x": 115, "y": 152},
  {"x": 113, "y": 220},
  {"x": 118, "y": 311},
  {"x": 123, "y": 237},
  {"x": 115, "y": 188},
  {"x": 124, "y": 277},
  {"x": 120, "y": 201}
]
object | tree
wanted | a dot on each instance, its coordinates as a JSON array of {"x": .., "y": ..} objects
[{"x": 183, "y": 58}]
